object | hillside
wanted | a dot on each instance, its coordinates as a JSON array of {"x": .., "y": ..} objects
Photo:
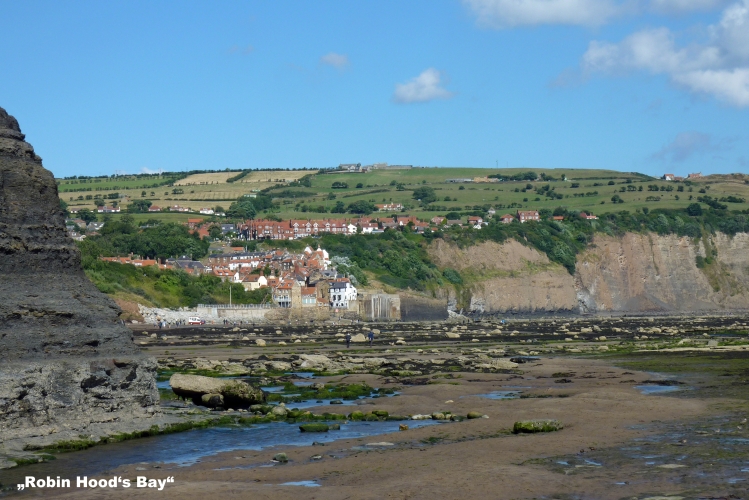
[{"x": 297, "y": 196}]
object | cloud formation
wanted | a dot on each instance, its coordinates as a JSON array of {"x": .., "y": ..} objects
[
  {"x": 718, "y": 67},
  {"x": 339, "y": 61},
  {"x": 688, "y": 144},
  {"x": 508, "y": 13},
  {"x": 423, "y": 88},
  {"x": 500, "y": 14},
  {"x": 683, "y": 6}
]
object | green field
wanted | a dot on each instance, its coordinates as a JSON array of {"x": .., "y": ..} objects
[{"x": 589, "y": 190}]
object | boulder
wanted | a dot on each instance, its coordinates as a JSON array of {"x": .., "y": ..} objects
[
  {"x": 281, "y": 457},
  {"x": 474, "y": 414},
  {"x": 235, "y": 393},
  {"x": 279, "y": 411},
  {"x": 532, "y": 426},
  {"x": 359, "y": 337},
  {"x": 314, "y": 361},
  {"x": 212, "y": 400},
  {"x": 452, "y": 335},
  {"x": 260, "y": 342}
]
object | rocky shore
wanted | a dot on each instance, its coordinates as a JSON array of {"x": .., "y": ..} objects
[{"x": 68, "y": 366}]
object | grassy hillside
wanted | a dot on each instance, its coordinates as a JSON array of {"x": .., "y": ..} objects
[{"x": 590, "y": 190}]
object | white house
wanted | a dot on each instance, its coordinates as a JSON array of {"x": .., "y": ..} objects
[
  {"x": 206, "y": 211},
  {"x": 341, "y": 294},
  {"x": 254, "y": 281}
]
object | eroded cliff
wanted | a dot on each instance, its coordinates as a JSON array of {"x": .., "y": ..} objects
[
  {"x": 67, "y": 365},
  {"x": 648, "y": 272},
  {"x": 635, "y": 273}
]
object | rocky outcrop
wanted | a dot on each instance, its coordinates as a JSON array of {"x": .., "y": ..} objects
[
  {"x": 67, "y": 364},
  {"x": 634, "y": 273},
  {"x": 505, "y": 278},
  {"x": 648, "y": 272}
]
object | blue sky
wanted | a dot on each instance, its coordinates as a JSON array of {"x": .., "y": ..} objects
[{"x": 634, "y": 85}]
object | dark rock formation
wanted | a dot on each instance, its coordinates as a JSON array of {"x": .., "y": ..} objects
[{"x": 66, "y": 362}]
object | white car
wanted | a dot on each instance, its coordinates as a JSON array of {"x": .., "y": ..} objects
[{"x": 195, "y": 321}]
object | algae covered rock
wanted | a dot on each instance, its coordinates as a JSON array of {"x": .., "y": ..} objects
[
  {"x": 235, "y": 393},
  {"x": 212, "y": 400},
  {"x": 541, "y": 425}
]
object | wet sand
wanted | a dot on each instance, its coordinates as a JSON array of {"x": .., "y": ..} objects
[{"x": 478, "y": 458}]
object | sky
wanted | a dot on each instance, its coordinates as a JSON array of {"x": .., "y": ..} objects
[{"x": 651, "y": 86}]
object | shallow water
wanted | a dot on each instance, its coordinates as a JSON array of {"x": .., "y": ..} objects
[
  {"x": 496, "y": 395},
  {"x": 656, "y": 389},
  {"x": 307, "y": 484},
  {"x": 186, "y": 448}
]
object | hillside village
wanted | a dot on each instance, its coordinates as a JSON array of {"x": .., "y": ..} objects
[{"x": 299, "y": 280}]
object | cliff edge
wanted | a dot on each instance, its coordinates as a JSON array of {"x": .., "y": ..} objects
[{"x": 67, "y": 364}]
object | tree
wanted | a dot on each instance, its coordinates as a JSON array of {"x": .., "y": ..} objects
[
  {"x": 142, "y": 194},
  {"x": 361, "y": 207},
  {"x": 215, "y": 232},
  {"x": 86, "y": 215},
  {"x": 560, "y": 211},
  {"x": 139, "y": 206},
  {"x": 100, "y": 203},
  {"x": 339, "y": 208},
  {"x": 359, "y": 185},
  {"x": 426, "y": 194},
  {"x": 243, "y": 208},
  {"x": 694, "y": 209},
  {"x": 64, "y": 207}
]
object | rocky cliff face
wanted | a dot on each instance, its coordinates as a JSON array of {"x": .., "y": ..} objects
[
  {"x": 66, "y": 362},
  {"x": 647, "y": 272},
  {"x": 506, "y": 278},
  {"x": 636, "y": 273}
]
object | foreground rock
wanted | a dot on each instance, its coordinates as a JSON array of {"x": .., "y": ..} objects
[
  {"x": 67, "y": 365},
  {"x": 532, "y": 426},
  {"x": 215, "y": 392}
]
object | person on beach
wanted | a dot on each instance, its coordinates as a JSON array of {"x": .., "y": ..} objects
[
  {"x": 371, "y": 338},
  {"x": 348, "y": 340}
]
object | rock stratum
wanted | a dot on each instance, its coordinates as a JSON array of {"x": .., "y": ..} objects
[
  {"x": 631, "y": 274},
  {"x": 67, "y": 365}
]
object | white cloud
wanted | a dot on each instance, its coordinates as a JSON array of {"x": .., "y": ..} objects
[
  {"x": 336, "y": 60},
  {"x": 685, "y": 145},
  {"x": 728, "y": 85},
  {"x": 683, "y": 6},
  {"x": 425, "y": 87},
  {"x": 509, "y": 13},
  {"x": 718, "y": 67}
]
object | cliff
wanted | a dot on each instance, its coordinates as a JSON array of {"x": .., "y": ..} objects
[
  {"x": 635, "y": 273},
  {"x": 67, "y": 364},
  {"x": 648, "y": 272}
]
